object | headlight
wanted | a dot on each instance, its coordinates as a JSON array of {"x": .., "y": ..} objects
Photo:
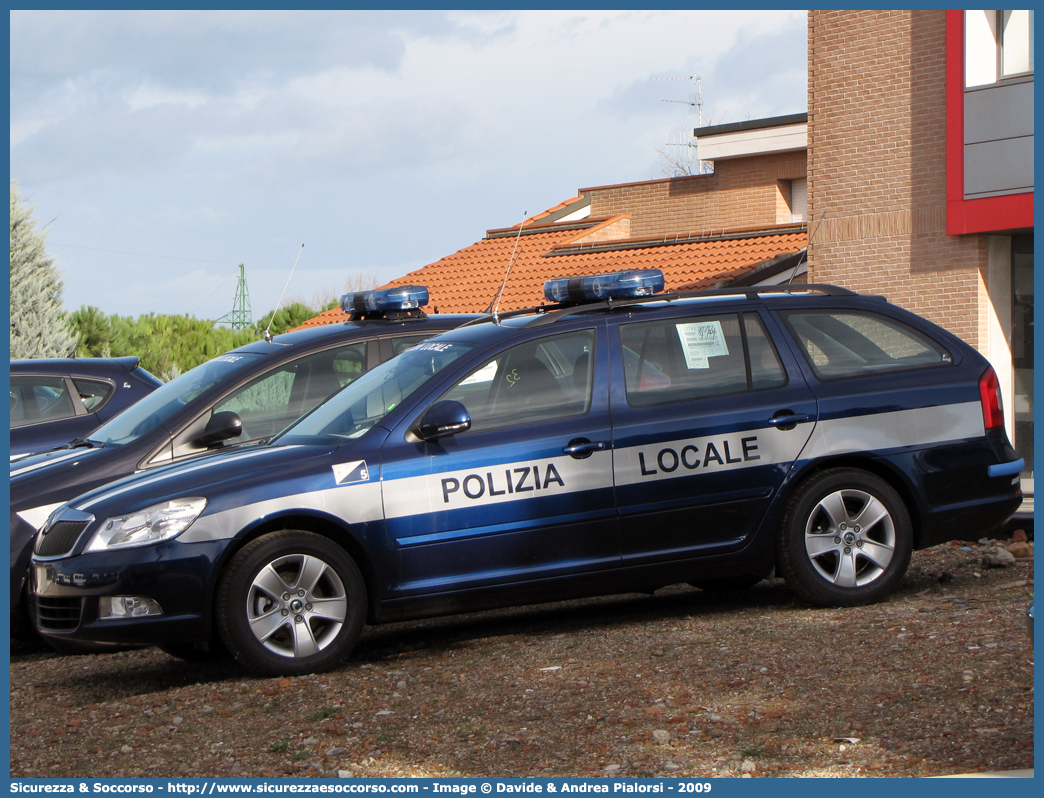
[{"x": 151, "y": 525}]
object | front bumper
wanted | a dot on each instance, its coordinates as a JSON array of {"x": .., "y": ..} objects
[{"x": 178, "y": 577}]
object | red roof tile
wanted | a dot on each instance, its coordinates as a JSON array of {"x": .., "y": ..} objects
[{"x": 468, "y": 280}]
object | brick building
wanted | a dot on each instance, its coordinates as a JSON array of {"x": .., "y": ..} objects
[
  {"x": 920, "y": 175},
  {"x": 740, "y": 225}
]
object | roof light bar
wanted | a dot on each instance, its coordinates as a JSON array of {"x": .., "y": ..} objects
[
  {"x": 404, "y": 297},
  {"x": 618, "y": 285}
]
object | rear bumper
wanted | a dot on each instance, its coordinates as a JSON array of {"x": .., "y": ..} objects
[{"x": 970, "y": 521}]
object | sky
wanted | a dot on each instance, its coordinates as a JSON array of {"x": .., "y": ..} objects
[{"x": 161, "y": 149}]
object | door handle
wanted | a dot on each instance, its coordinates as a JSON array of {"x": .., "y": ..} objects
[
  {"x": 787, "y": 419},
  {"x": 582, "y": 448}
]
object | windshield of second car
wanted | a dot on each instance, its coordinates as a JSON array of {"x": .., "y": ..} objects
[
  {"x": 161, "y": 404},
  {"x": 365, "y": 402}
]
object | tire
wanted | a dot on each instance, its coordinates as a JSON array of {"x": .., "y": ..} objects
[
  {"x": 845, "y": 539},
  {"x": 290, "y": 603}
]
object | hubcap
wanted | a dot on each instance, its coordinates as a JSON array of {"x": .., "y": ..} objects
[
  {"x": 850, "y": 538},
  {"x": 296, "y": 605}
]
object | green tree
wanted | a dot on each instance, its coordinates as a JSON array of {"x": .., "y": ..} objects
[
  {"x": 286, "y": 318},
  {"x": 166, "y": 345},
  {"x": 39, "y": 327},
  {"x": 93, "y": 331}
]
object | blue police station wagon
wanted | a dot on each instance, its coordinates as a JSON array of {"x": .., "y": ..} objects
[{"x": 618, "y": 439}]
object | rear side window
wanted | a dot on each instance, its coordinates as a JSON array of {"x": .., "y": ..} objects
[
  {"x": 840, "y": 343},
  {"x": 93, "y": 393},
  {"x": 36, "y": 399},
  {"x": 679, "y": 360}
]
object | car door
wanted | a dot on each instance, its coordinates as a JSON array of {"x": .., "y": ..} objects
[
  {"x": 526, "y": 492},
  {"x": 707, "y": 420},
  {"x": 46, "y": 411}
]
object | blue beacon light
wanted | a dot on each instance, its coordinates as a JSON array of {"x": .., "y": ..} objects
[
  {"x": 404, "y": 297},
  {"x": 618, "y": 285}
]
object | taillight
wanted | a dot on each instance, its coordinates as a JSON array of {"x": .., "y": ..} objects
[{"x": 990, "y": 396}]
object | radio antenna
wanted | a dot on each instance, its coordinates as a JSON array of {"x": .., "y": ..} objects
[
  {"x": 268, "y": 333},
  {"x": 494, "y": 306},
  {"x": 804, "y": 258}
]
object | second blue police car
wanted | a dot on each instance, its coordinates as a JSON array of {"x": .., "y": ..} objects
[
  {"x": 242, "y": 396},
  {"x": 56, "y": 400},
  {"x": 616, "y": 440}
]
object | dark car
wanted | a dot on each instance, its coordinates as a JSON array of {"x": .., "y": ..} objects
[
  {"x": 55, "y": 401},
  {"x": 613, "y": 441},
  {"x": 245, "y": 395}
]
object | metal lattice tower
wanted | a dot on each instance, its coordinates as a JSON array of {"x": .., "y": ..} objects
[{"x": 240, "y": 317}]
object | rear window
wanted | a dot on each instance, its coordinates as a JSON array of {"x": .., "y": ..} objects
[
  {"x": 841, "y": 344},
  {"x": 680, "y": 360}
]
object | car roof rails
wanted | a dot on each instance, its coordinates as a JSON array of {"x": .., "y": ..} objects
[{"x": 630, "y": 288}]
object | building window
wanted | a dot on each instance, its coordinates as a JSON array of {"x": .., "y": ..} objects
[
  {"x": 1015, "y": 50},
  {"x": 798, "y": 200},
  {"x": 997, "y": 45}
]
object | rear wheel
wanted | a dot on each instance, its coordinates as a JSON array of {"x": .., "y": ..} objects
[
  {"x": 845, "y": 538},
  {"x": 291, "y": 602}
]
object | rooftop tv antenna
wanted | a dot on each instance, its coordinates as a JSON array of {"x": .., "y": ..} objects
[
  {"x": 687, "y": 144},
  {"x": 695, "y": 100},
  {"x": 240, "y": 316},
  {"x": 268, "y": 329}
]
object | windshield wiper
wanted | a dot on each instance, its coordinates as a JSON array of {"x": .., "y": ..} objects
[{"x": 78, "y": 442}]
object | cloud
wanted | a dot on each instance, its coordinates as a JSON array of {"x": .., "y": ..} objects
[{"x": 385, "y": 139}]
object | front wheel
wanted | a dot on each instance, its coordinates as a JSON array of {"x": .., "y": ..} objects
[
  {"x": 290, "y": 603},
  {"x": 845, "y": 538}
]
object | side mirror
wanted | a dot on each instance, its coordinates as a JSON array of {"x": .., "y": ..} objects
[
  {"x": 442, "y": 419},
  {"x": 221, "y": 427}
]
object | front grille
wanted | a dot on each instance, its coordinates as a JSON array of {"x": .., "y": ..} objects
[
  {"x": 59, "y": 538},
  {"x": 58, "y": 614}
]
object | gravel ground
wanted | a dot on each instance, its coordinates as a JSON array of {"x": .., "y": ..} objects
[{"x": 684, "y": 683}]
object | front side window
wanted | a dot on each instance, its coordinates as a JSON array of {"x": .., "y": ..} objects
[
  {"x": 541, "y": 380},
  {"x": 154, "y": 409},
  {"x": 365, "y": 402},
  {"x": 841, "y": 343},
  {"x": 679, "y": 360},
  {"x": 36, "y": 399},
  {"x": 270, "y": 402}
]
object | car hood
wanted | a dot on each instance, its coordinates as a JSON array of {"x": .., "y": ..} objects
[
  {"x": 222, "y": 478},
  {"x": 31, "y": 463},
  {"x": 51, "y": 478}
]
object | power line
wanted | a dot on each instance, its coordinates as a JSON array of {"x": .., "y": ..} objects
[{"x": 139, "y": 254}]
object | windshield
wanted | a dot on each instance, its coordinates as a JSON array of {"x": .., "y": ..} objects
[
  {"x": 161, "y": 404},
  {"x": 365, "y": 402}
]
